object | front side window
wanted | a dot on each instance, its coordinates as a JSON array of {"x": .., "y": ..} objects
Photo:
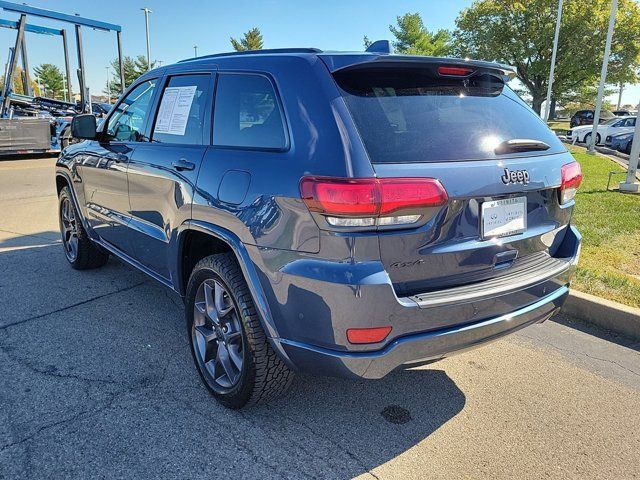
[
  {"x": 128, "y": 119},
  {"x": 182, "y": 113},
  {"x": 247, "y": 113}
]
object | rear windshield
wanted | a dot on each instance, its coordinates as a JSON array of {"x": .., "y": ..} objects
[{"x": 414, "y": 115}]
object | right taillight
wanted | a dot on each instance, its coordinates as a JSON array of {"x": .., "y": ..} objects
[
  {"x": 371, "y": 202},
  {"x": 571, "y": 174}
]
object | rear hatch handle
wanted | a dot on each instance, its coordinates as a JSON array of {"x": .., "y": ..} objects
[{"x": 521, "y": 145}]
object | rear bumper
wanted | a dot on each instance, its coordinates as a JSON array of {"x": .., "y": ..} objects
[
  {"x": 420, "y": 347},
  {"x": 314, "y": 302}
]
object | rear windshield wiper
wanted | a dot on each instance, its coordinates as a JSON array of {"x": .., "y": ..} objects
[{"x": 521, "y": 145}]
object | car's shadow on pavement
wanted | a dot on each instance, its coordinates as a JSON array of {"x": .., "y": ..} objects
[
  {"x": 97, "y": 378},
  {"x": 369, "y": 422}
]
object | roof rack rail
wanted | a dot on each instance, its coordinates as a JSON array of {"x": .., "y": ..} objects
[{"x": 253, "y": 52}]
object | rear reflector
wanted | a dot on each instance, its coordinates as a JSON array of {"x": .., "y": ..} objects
[
  {"x": 455, "y": 71},
  {"x": 364, "y": 200},
  {"x": 367, "y": 335},
  {"x": 571, "y": 174}
]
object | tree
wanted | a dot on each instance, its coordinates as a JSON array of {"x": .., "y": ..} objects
[
  {"x": 584, "y": 98},
  {"x": 252, "y": 40},
  {"x": 18, "y": 86},
  {"x": 521, "y": 34},
  {"x": 133, "y": 68},
  {"x": 51, "y": 79},
  {"x": 413, "y": 38}
]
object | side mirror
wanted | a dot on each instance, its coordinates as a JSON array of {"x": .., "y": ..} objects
[{"x": 84, "y": 127}]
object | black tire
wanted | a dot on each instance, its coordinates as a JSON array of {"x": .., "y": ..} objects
[
  {"x": 79, "y": 250},
  {"x": 263, "y": 375},
  {"x": 587, "y": 139},
  {"x": 66, "y": 138}
]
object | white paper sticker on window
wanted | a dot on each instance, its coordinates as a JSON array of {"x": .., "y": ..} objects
[{"x": 174, "y": 110}]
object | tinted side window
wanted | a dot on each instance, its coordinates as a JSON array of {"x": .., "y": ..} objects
[
  {"x": 247, "y": 113},
  {"x": 182, "y": 113},
  {"x": 127, "y": 121}
]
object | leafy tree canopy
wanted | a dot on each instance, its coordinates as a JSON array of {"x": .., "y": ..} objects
[
  {"x": 251, "y": 40},
  {"x": 521, "y": 33},
  {"x": 133, "y": 68},
  {"x": 18, "y": 86},
  {"x": 584, "y": 98},
  {"x": 51, "y": 79},
  {"x": 413, "y": 38}
]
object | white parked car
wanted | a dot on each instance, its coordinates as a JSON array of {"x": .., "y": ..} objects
[{"x": 611, "y": 127}]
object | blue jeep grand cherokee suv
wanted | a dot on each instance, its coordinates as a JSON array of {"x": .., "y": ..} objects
[{"x": 334, "y": 213}]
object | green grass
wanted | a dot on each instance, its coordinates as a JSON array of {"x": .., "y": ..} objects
[
  {"x": 610, "y": 225},
  {"x": 559, "y": 127}
]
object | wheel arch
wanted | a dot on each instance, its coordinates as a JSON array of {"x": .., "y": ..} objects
[
  {"x": 231, "y": 242},
  {"x": 63, "y": 180}
]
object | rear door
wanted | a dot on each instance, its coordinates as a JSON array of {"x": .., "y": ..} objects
[
  {"x": 498, "y": 162},
  {"x": 162, "y": 174}
]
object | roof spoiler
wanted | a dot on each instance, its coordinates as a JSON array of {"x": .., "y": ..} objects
[{"x": 336, "y": 63}]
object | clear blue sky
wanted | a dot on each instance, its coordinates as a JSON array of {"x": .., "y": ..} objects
[{"x": 177, "y": 25}]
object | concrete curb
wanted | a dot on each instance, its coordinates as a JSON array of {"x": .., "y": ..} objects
[{"x": 604, "y": 313}]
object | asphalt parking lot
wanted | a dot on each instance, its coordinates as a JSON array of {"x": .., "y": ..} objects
[{"x": 96, "y": 381}]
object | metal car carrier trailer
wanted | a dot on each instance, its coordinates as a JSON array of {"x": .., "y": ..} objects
[
  {"x": 16, "y": 135},
  {"x": 23, "y": 135}
]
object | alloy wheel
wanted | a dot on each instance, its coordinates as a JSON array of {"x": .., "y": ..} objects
[
  {"x": 69, "y": 229},
  {"x": 216, "y": 334}
]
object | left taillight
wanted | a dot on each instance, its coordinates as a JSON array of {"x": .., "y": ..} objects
[
  {"x": 371, "y": 202},
  {"x": 571, "y": 175}
]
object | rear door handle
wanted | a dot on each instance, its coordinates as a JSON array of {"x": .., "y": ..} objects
[{"x": 183, "y": 164}]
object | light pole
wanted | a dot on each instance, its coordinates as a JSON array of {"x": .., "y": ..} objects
[
  {"x": 195, "y": 50},
  {"x": 603, "y": 77},
  {"x": 630, "y": 185},
  {"x": 547, "y": 107},
  {"x": 146, "y": 21},
  {"x": 620, "y": 96},
  {"x": 108, "y": 91}
]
